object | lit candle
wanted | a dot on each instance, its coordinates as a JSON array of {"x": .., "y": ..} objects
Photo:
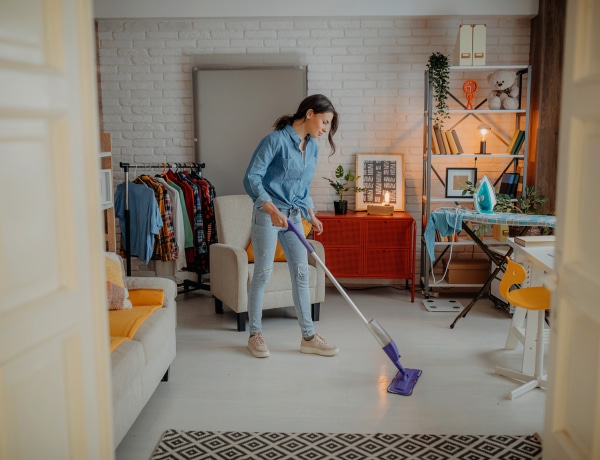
[{"x": 387, "y": 198}]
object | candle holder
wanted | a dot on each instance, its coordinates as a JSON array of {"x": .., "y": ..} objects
[{"x": 384, "y": 209}]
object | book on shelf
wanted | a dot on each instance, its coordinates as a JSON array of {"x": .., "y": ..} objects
[
  {"x": 511, "y": 144},
  {"x": 509, "y": 184},
  {"x": 445, "y": 141},
  {"x": 452, "y": 143},
  {"x": 435, "y": 148},
  {"x": 457, "y": 141},
  {"x": 535, "y": 240},
  {"x": 438, "y": 135},
  {"x": 518, "y": 143}
]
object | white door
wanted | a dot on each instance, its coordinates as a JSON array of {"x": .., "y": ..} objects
[
  {"x": 572, "y": 428},
  {"x": 54, "y": 372}
]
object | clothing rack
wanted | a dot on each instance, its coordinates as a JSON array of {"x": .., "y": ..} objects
[{"x": 187, "y": 285}]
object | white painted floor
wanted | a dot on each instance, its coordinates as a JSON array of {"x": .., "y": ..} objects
[{"x": 216, "y": 385}]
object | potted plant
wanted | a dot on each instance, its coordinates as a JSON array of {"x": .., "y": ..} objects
[
  {"x": 343, "y": 183},
  {"x": 438, "y": 68}
]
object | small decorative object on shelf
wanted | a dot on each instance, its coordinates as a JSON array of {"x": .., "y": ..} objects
[
  {"x": 505, "y": 90},
  {"x": 458, "y": 180},
  {"x": 483, "y": 129},
  {"x": 469, "y": 87}
]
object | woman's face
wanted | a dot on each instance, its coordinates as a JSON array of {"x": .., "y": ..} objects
[{"x": 318, "y": 123}]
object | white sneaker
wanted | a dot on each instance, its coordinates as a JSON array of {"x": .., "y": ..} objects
[
  {"x": 257, "y": 346},
  {"x": 318, "y": 346}
]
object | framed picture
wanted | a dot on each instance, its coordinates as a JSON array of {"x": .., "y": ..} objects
[
  {"x": 456, "y": 181},
  {"x": 380, "y": 174}
]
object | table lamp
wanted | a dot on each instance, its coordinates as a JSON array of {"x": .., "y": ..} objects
[
  {"x": 383, "y": 209},
  {"x": 483, "y": 129}
]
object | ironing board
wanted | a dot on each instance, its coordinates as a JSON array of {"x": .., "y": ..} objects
[{"x": 521, "y": 220}]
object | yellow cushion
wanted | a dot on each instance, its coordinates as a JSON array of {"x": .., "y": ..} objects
[
  {"x": 147, "y": 297},
  {"x": 125, "y": 323},
  {"x": 279, "y": 254},
  {"x": 116, "y": 341}
]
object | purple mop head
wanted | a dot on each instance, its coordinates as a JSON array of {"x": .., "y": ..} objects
[
  {"x": 405, "y": 380},
  {"x": 403, "y": 384}
]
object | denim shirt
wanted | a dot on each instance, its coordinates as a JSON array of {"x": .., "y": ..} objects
[{"x": 278, "y": 174}]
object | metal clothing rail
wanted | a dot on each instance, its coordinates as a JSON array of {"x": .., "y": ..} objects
[{"x": 126, "y": 166}]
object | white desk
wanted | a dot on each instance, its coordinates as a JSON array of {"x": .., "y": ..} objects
[
  {"x": 541, "y": 256},
  {"x": 537, "y": 261}
]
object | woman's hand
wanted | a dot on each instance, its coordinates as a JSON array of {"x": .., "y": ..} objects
[
  {"x": 277, "y": 217},
  {"x": 317, "y": 225}
]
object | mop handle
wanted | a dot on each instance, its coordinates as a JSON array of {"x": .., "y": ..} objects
[
  {"x": 300, "y": 236},
  {"x": 311, "y": 250}
]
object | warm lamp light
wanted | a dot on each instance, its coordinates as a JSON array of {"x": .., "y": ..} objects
[{"x": 483, "y": 129}]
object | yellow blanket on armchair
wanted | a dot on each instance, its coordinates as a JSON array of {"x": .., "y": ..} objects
[{"x": 124, "y": 324}]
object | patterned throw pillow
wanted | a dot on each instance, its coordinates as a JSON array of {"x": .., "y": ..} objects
[{"x": 116, "y": 288}]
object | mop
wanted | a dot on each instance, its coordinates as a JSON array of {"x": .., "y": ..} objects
[{"x": 405, "y": 379}]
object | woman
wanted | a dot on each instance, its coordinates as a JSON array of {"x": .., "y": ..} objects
[{"x": 278, "y": 181}]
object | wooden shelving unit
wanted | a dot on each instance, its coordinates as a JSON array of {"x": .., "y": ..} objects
[{"x": 110, "y": 234}]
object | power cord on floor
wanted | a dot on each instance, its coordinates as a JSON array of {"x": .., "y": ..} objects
[{"x": 456, "y": 209}]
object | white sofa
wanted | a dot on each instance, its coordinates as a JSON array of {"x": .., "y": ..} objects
[{"x": 140, "y": 364}]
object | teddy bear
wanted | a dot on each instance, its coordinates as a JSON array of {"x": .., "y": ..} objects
[{"x": 505, "y": 92}]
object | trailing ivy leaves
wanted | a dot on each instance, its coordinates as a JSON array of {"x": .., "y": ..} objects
[{"x": 438, "y": 68}]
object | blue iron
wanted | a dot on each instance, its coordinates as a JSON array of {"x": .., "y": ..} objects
[
  {"x": 485, "y": 196},
  {"x": 405, "y": 380}
]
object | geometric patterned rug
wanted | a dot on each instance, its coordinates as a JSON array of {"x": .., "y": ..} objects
[{"x": 232, "y": 445}]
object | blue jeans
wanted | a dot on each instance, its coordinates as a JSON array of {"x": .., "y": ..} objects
[{"x": 264, "y": 241}]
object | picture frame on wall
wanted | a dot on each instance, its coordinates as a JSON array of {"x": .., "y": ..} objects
[
  {"x": 380, "y": 173},
  {"x": 456, "y": 181}
]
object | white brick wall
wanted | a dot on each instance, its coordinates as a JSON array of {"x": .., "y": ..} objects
[{"x": 371, "y": 69}]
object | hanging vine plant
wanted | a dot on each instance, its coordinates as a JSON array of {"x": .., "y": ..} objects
[{"x": 438, "y": 69}]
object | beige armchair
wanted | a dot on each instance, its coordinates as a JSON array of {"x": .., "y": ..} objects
[{"x": 231, "y": 274}]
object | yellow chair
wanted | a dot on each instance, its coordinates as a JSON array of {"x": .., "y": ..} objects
[{"x": 537, "y": 299}]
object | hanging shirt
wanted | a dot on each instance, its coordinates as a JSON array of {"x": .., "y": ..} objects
[
  {"x": 144, "y": 217},
  {"x": 177, "y": 214},
  {"x": 165, "y": 246},
  {"x": 278, "y": 172},
  {"x": 189, "y": 234}
]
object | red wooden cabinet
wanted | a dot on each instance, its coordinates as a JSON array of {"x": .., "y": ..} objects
[{"x": 359, "y": 245}]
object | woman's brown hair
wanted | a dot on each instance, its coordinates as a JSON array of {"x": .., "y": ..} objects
[{"x": 319, "y": 104}]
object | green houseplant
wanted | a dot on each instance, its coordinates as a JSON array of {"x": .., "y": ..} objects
[
  {"x": 345, "y": 181},
  {"x": 438, "y": 68}
]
